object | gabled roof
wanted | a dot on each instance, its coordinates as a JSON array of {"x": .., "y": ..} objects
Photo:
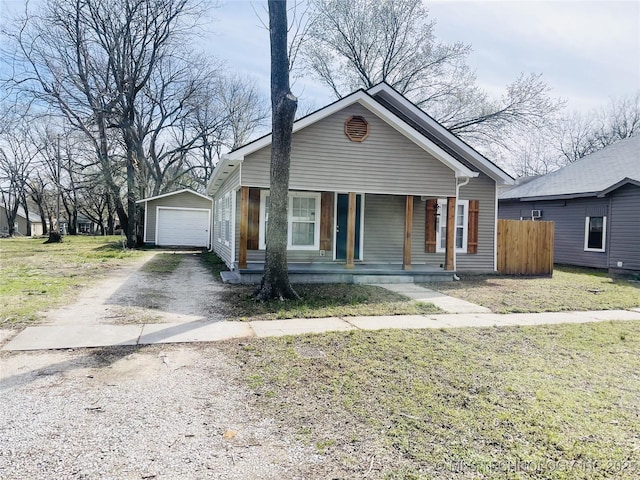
[
  {"x": 594, "y": 175},
  {"x": 436, "y": 132},
  {"x": 424, "y": 132},
  {"x": 177, "y": 192},
  {"x": 33, "y": 217}
]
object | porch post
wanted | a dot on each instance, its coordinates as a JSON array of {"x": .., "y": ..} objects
[
  {"x": 244, "y": 226},
  {"x": 451, "y": 233},
  {"x": 351, "y": 230},
  {"x": 408, "y": 229}
]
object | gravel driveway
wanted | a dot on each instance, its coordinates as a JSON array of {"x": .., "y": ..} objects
[
  {"x": 161, "y": 412},
  {"x": 170, "y": 412},
  {"x": 133, "y": 295}
]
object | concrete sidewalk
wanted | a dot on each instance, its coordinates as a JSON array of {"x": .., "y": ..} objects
[
  {"x": 440, "y": 300},
  {"x": 79, "y": 336}
]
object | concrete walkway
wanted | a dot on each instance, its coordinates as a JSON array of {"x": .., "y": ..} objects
[
  {"x": 79, "y": 336},
  {"x": 440, "y": 300}
]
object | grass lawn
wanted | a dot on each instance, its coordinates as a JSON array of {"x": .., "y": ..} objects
[
  {"x": 570, "y": 288},
  {"x": 316, "y": 301},
  {"x": 35, "y": 276},
  {"x": 546, "y": 402}
]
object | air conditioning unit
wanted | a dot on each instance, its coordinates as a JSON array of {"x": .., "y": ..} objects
[{"x": 536, "y": 214}]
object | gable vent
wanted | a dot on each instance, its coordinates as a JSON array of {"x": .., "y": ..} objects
[{"x": 356, "y": 128}]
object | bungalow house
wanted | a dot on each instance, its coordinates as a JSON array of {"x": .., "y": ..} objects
[
  {"x": 595, "y": 204},
  {"x": 377, "y": 187},
  {"x": 20, "y": 225}
]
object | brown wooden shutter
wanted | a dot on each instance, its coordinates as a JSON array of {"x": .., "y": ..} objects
[
  {"x": 254, "y": 219},
  {"x": 326, "y": 221},
  {"x": 430, "y": 226},
  {"x": 472, "y": 227}
]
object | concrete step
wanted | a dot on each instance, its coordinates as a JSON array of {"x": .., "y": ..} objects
[{"x": 368, "y": 279}]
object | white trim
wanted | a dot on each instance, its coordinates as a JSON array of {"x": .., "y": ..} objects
[
  {"x": 587, "y": 220},
  {"x": 436, "y": 127},
  {"x": 146, "y": 221},
  {"x": 184, "y": 190},
  {"x": 403, "y": 193},
  {"x": 495, "y": 230},
  {"x": 262, "y": 234},
  {"x": 232, "y": 225},
  {"x": 442, "y": 204},
  {"x": 162, "y": 207}
]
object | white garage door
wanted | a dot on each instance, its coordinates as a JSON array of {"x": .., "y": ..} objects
[{"x": 182, "y": 227}]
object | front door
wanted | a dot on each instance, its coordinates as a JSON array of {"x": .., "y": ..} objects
[{"x": 341, "y": 226}]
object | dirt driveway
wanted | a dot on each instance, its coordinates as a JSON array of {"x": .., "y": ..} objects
[
  {"x": 160, "y": 412},
  {"x": 133, "y": 295}
]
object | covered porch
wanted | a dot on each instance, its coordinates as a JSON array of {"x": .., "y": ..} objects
[
  {"x": 340, "y": 234},
  {"x": 360, "y": 273}
]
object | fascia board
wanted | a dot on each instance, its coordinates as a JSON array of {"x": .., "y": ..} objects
[{"x": 494, "y": 171}]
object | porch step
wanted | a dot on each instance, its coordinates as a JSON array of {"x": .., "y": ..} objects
[
  {"x": 230, "y": 277},
  {"x": 367, "y": 279}
]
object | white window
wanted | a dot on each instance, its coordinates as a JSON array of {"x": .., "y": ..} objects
[
  {"x": 303, "y": 220},
  {"x": 461, "y": 223},
  {"x": 227, "y": 218},
  {"x": 595, "y": 234},
  {"x": 219, "y": 219}
]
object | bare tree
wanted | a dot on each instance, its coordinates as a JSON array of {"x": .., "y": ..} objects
[
  {"x": 92, "y": 60},
  {"x": 275, "y": 280},
  {"x": 582, "y": 134},
  {"x": 360, "y": 43},
  {"x": 226, "y": 114},
  {"x": 18, "y": 153}
]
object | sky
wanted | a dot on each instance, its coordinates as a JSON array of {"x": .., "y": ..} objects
[{"x": 587, "y": 51}]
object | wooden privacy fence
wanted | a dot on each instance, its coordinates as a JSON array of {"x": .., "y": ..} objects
[{"x": 525, "y": 247}]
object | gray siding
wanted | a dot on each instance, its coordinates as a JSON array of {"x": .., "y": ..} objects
[
  {"x": 181, "y": 200},
  {"x": 482, "y": 189},
  {"x": 224, "y": 251},
  {"x": 624, "y": 228},
  {"x": 384, "y": 228},
  {"x": 569, "y": 217},
  {"x": 324, "y": 159}
]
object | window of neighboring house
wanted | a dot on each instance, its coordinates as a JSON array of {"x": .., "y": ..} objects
[
  {"x": 595, "y": 234},
  {"x": 461, "y": 224},
  {"x": 303, "y": 220},
  {"x": 227, "y": 218}
]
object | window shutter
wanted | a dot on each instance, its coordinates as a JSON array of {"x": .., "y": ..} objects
[
  {"x": 472, "y": 228},
  {"x": 254, "y": 219},
  {"x": 430, "y": 226},
  {"x": 326, "y": 221}
]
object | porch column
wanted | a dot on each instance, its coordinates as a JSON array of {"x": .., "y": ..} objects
[
  {"x": 408, "y": 229},
  {"x": 451, "y": 233},
  {"x": 351, "y": 230},
  {"x": 244, "y": 226}
]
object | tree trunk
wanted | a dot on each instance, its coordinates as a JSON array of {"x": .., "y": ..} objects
[{"x": 275, "y": 280}]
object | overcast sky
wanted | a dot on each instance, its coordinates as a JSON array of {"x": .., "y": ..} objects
[{"x": 586, "y": 51}]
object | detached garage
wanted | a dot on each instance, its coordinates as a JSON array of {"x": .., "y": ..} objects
[{"x": 178, "y": 219}]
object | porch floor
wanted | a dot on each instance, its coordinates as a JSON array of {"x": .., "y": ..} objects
[{"x": 337, "y": 273}]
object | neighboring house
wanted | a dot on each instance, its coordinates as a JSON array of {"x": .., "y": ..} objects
[
  {"x": 178, "y": 219},
  {"x": 373, "y": 180},
  {"x": 20, "y": 225},
  {"x": 595, "y": 204}
]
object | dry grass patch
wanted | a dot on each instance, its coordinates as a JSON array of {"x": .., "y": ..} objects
[
  {"x": 552, "y": 402},
  {"x": 35, "y": 276},
  {"x": 316, "y": 300},
  {"x": 570, "y": 288}
]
